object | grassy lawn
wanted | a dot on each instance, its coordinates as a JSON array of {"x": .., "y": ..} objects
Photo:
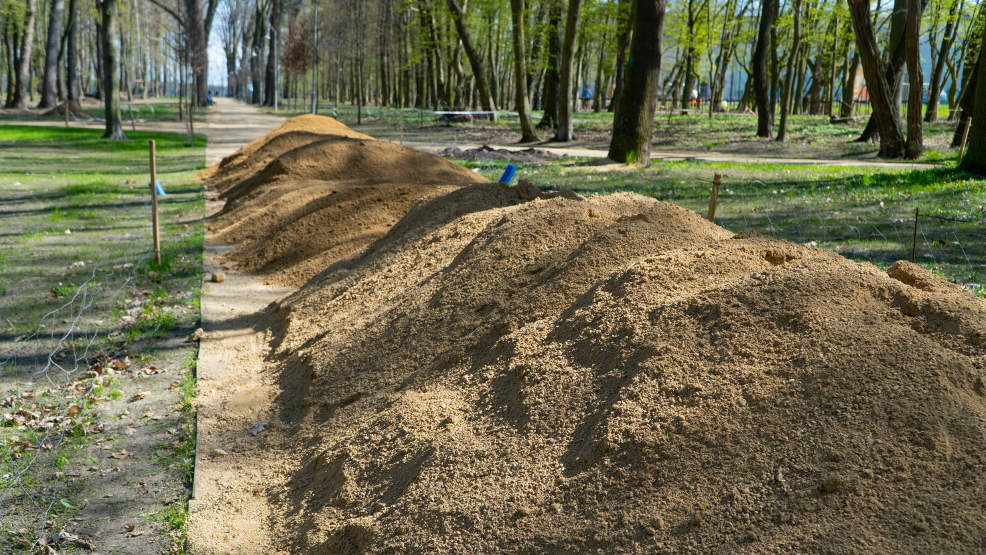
[
  {"x": 863, "y": 213},
  {"x": 150, "y": 109},
  {"x": 729, "y": 132},
  {"x": 96, "y": 433}
]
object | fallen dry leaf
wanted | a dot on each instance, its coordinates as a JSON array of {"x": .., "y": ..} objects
[
  {"x": 73, "y": 410},
  {"x": 138, "y": 396},
  {"x": 121, "y": 455}
]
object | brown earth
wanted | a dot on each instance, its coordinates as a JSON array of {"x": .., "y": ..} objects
[
  {"x": 507, "y": 369},
  {"x": 615, "y": 373},
  {"x": 313, "y": 191}
]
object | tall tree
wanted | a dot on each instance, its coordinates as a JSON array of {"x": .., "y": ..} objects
[
  {"x": 623, "y": 30},
  {"x": 72, "y": 91},
  {"x": 893, "y": 68},
  {"x": 270, "y": 73},
  {"x": 49, "y": 82},
  {"x": 196, "y": 21},
  {"x": 761, "y": 75},
  {"x": 520, "y": 73},
  {"x": 482, "y": 85},
  {"x": 787, "y": 95},
  {"x": 974, "y": 159},
  {"x": 915, "y": 143},
  {"x": 634, "y": 118},
  {"x": 938, "y": 69},
  {"x": 111, "y": 61},
  {"x": 874, "y": 71},
  {"x": 22, "y": 73},
  {"x": 549, "y": 98},
  {"x": 563, "y": 131}
]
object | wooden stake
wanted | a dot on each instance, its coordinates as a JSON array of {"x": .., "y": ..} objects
[
  {"x": 154, "y": 219},
  {"x": 965, "y": 136},
  {"x": 716, "y": 181},
  {"x": 914, "y": 242}
]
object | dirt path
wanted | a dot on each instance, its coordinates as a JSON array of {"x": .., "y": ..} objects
[
  {"x": 669, "y": 155},
  {"x": 226, "y": 513}
]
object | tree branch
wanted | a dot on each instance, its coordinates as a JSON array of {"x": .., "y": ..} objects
[{"x": 169, "y": 10}]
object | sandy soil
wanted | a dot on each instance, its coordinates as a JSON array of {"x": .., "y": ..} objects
[{"x": 507, "y": 369}]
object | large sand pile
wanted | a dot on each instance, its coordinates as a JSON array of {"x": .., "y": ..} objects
[
  {"x": 314, "y": 191},
  {"x": 519, "y": 371}
]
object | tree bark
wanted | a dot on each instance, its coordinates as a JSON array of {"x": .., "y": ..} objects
[
  {"x": 549, "y": 98},
  {"x": 761, "y": 77},
  {"x": 787, "y": 94},
  {"x": 915, "y": 144},
  {"x": 22, "y": 73},
  {"x": 634, "y": 118},
  {"x": 256, "y": 52},
  {"x": 974, "y": 159},
  {"x": 485, "y": 96},
  {"x": 881, "y": 94},
  {"x": 111, "y": 82},
  {"x": 689, "y": 75},
  {"x": 622, "y": 41},
  {"x": 73, "y": 92},
  {"x": 564, "y": 130},
  {"x": 520, "y": 74},
  {"x": 270, "y": 72},
  {"x": 894, "y": 69},
  {"x": 938, "y": 69},
  {"x": 49, "y": 81}
]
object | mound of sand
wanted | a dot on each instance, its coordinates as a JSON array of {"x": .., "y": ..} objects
[
  {"x": 510, "y": 370},
  {"x": 314, "y": 191},
  {"x": 307, "y": 123}
]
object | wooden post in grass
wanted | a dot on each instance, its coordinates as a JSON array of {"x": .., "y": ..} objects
[
  {"x": 716, "y": 181},
  {"x": 965, "y": 137},
  {"x": 154, "y": 219},
  {"x": 914, "y": 242}
]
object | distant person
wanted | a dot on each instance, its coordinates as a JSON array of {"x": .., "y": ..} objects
[
  {"x": 586, "y": 96},
  {"x": 208, "y": 98}
]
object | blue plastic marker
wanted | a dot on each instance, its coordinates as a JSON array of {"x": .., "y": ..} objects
[
  {"x": 160, "y": 189},
  {"x": 508, "y": 174}
]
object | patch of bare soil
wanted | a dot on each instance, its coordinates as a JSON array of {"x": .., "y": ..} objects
[
  {"x": 507, "y": 369},
  {"x": 487, "y": 152},
  {"x": 305, "y": 199},
  {"x": 522, "y": 371}
]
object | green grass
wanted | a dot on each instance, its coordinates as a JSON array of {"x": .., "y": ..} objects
[
  {"x": 68, "y": 196},
  {"x": 809, "y": 136},
  {"x": 82, "y": 153},
  {"x": 864, "y": 213}
]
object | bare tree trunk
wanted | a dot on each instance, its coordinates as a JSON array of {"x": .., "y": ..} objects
[
  {"x": 895, "y": 68},
  {"x": 935, "y": 79},
  {"x": 881, "y": 93},
  {"x": 564, "y": 129},
  {"x": 915, "y": 143},
  {"x": 787, "y": 95},
  {"x": 485, "y": 96},
  {"x": 549, "y": 99},
  {"x": 520, "y": 74},
  {"x": 111, "y": 61},
  {"x": 256, "y": 51},
  {"x": 49, "y": 81},
  {"x": 634, "y": 119},
  {"x": 22, "y": 74},
  {"x": 270, "y": 73},
  {"x": 761, "y": 78},
  {"x": 623, "y": 30},
  {"x": 974, "y": 159},
  {"x": 73, "y": 93}
]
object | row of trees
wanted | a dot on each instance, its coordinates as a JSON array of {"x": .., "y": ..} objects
[{"x": 777, "y": 58}]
